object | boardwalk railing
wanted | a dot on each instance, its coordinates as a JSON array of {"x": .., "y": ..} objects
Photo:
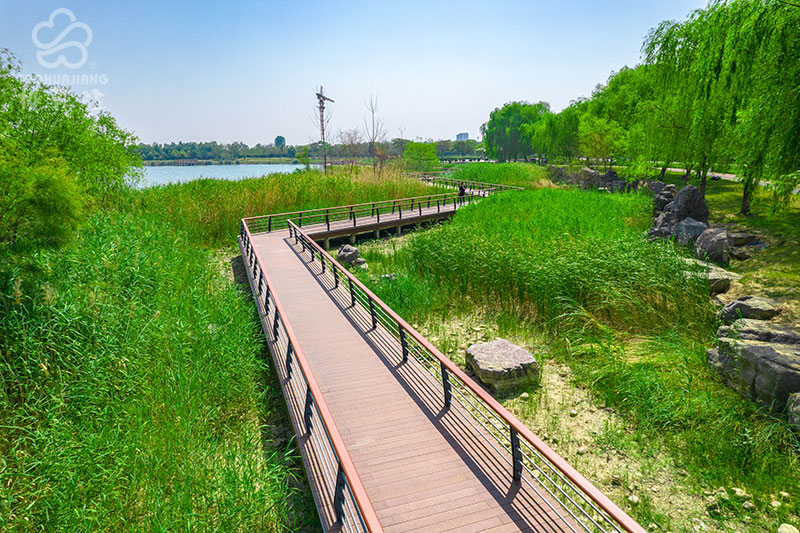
[
  {"x": 578, "y": 503},
  {"x": 445, "y": 181},
  {"x": 403, "y": 207},
  {"x": 351, "y": 505}
]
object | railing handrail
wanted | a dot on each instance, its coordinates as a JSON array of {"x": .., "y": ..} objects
[
  {"x": 556, "y": 460},
  {"x": 362, "y": 500},
  {"x": 322, "y": 210}
]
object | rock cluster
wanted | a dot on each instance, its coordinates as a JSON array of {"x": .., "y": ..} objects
[
  {"x": 348, "y": 255},
  {"x": 719, "y": 279},
  {"x": 761, "y": 361},
  {"x": 502, "y": 365},
  {"x": 589, "y": 178},
  {"x": 683, "y": 215},
  {"x": 670, "y": 208}
]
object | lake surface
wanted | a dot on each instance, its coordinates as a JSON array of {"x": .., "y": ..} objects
[{"x": 170, "y": 174}]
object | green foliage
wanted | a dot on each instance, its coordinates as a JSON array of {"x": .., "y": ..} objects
[
  {"x": 600, "y": 138},
  {"x": 517, "y": 174},
  {"x": 420, "y": 157},
  {"x": 302, "y": 156},
  {"x": 505, "y": 135},
  {"x": 131, "y": 390},
  {"x": 41, "y": 204},
  {"x": 783, "y": 190},
  {"x": 280, "y": 141}
]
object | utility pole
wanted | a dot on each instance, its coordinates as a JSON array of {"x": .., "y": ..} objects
[{"x": 322, "y": 98}]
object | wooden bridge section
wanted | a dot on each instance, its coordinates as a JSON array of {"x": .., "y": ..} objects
[{"x": 392, "y": 434}]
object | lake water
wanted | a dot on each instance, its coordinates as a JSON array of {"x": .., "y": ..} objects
[{"x": 170, "y": 174}]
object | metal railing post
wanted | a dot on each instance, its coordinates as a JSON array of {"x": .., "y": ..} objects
[
  {"x": 352, "y": 293},
  {"x": 438, "y": 208},
  {"x": 448, "y": 394},
  {"x": 307, "y": 410},
  {"x": 372, "y": 313},
  {"x": 338, "y": 494},
  {"x": 327, "y": 220},
  {"x": 403, "y": 343},
  {"x": 289, "y": 350},
  {"x": 516, "y": 455},
  {"x": 322, "y": 260},
  {"x": 269, "y": 224},
  {"x": 335, "y": 277},
  {"x": 275, "y": 325},
  {"x": 301, "y": 220}
]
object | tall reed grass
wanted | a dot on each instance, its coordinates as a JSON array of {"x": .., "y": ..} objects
[
  {"x": 210, "y": 210},
  {"x": 131, "y": 390}
]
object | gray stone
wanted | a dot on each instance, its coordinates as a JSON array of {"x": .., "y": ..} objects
[
  {"x": 656, "y": 186},
  {"x": 719, "y": 279},
  {"x": 740, "y": 253},
  {"x": 690, "y": 203},
  {"x": 663, "y": 225},
  {"x": 787, "y": 528},
  {"x": 713, "y": 244},
  {"x": 741, "y": 239},
  {"x": 756, "y": 307},
  {"x": 663, "y": 199},
  {"x": 688, "y": 230},
  {"x": 793, "y": 410},
  {"x": 758, "y": 330},
  {"x": 764, "y": 372},
  {"x": 502, "y": 365},
  {"x": 347, "y": 254},
  {"x": 361, "y": 263},
  {"x": 591, "y": 178}
]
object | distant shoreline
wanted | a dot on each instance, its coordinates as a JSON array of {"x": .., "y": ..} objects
[{"x": 204, "y": 162}]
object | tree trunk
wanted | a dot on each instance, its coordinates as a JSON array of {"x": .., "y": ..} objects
[
  {"x": 702, "y": 173},
  {"x": 663, "y": 172},
  {"x": 746, "y": 194}
]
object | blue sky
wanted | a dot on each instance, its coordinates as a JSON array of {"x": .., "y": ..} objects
[{"x": 246, "y": 71}]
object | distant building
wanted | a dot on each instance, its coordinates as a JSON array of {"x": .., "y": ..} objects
[{"x": 462, "y": 136}]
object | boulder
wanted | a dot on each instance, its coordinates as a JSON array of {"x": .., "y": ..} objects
[
  {"x": 787, "y": 528},
  {"x": 793, "y": 410},
  {"x": 765, "y": 372},
  {"x": 719, "y": 279},
  {"x": 740, "y": 253},
  {"x": 689, "y": 202},
  {"x": 503, "y": 366},
  {"x": 758, "y": 330},
  {"x": 756, "y": 307},
  {"x": 741, "y": 239},
  {"x": 361, "y": 263},
  {"x": 591, "y": 178},
  {"x": 656, "y": 186},
  {"x": 617, "y": 186},
  {"x": 688, "y": 230},
  {"x": 347, "y": 254},
  {"x": 713, "y": 244},
  {"x": 663, "y": 198},
  {"x": 663, "y": 225}
]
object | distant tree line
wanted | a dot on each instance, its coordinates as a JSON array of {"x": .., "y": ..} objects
[
  {"x": 718, "y": 90},
  {"x": 351, "y": 146}
]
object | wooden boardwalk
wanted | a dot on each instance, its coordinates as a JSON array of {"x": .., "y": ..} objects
[{"x": 422, "y": 463}]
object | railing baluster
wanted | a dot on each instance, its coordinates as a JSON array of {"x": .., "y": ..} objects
[
  {"x": 269, "y": 224},
  {"x": 352, "y": 293},
  {"x": 322, "y": 260},
  {"x": 307, "y": 410},
  {"x": 275, "y": 325},
  {"x": 438, "y": 207},
  {"x": 335, "y": 277},
  {"x": 403, "y": 343},
  {"x": 301, "y": 220},
  {"x": 327, "y": 220},
  {"x": 372, "y": 313},
  {"x": 516, "y": 455},
  {"x": 448, "y": 394},
  {"x": 289, "y": 351},
  {"x": 338, "y": 494}
]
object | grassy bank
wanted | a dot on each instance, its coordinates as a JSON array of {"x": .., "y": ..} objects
[
  {"x": 517, "y": 174},
  {"x": 570, "y": 270},
  {"x": 133, "y": 390},
  {"x": 210, "y": 210}
]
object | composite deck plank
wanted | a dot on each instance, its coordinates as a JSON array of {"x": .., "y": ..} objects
[{"x": 424, "y": 467}]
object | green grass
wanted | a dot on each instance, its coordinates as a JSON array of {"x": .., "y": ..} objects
[
  {"x": 517, "y": 174},
  {"x": 133, "y": 391},
  {"x": 210, "y": 210},
  {"x": 572, "y": 267}
]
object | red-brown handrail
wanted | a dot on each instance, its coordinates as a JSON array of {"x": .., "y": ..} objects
[
  {"x": 362, "y": 500},
  {"x": 556, "y": 460}
]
